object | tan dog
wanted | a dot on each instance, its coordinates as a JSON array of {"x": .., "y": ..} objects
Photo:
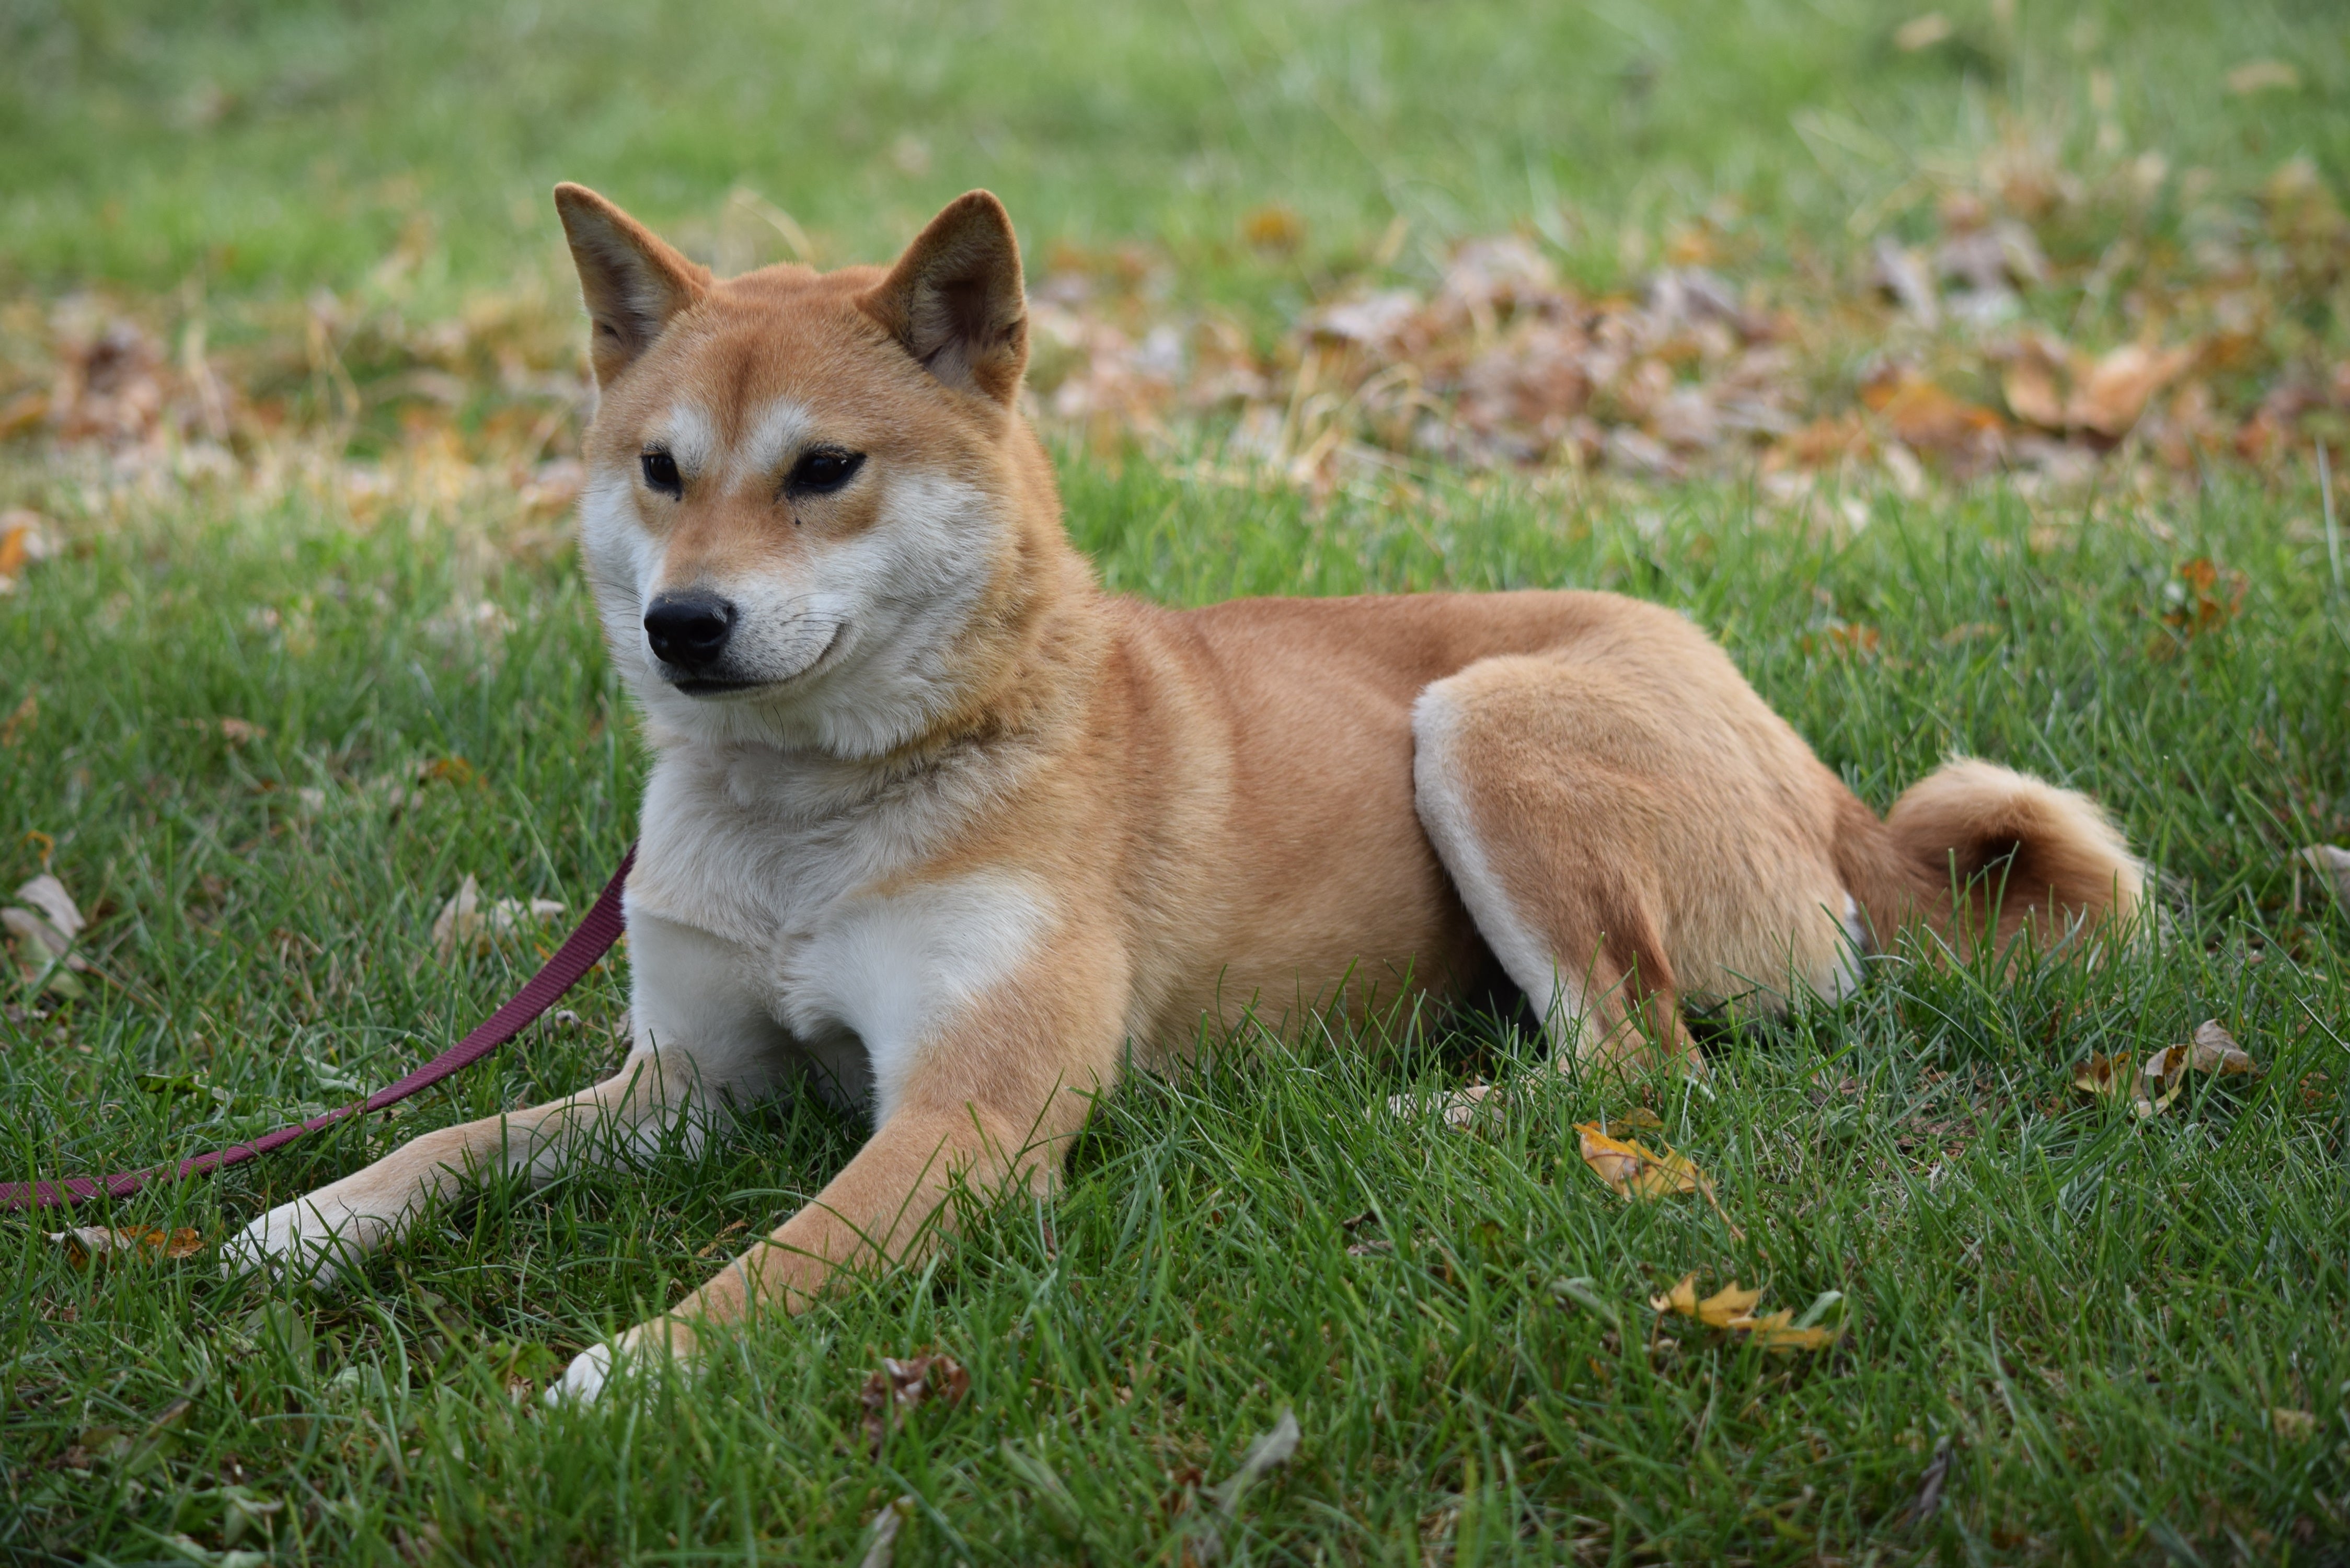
[{"x": 937, "y": 825}]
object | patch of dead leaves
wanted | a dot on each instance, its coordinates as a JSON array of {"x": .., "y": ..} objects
[
  {"x": 85, "y": 1244},
  {"x": 1732, "y": 1310},
  {"x": 900, "y": 1386},
  {"x": 2149, "y": 1087},
  {"x": 466, "y": 925}
]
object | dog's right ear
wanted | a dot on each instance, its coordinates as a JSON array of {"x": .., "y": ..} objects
[{"x": 633, "y": 283}]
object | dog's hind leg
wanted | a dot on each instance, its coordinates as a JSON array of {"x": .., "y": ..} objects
[
  {"x": 701, "y": 1038},
  {"x": 1550, "y": 855}
]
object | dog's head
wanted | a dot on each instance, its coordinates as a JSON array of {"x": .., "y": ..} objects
[{"x": 808, "y": 492}]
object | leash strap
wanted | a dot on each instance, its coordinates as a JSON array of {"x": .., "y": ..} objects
[{"x": 589, "y": 941}]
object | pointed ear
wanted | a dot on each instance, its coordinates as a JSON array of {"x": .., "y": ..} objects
[
  {"x": 955, "y": 300},
  {"x": 633, "y": 283}
]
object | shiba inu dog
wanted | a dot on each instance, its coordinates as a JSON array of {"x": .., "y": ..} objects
[{"x": 937, "y": 826}]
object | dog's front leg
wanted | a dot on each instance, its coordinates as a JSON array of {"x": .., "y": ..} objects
[
  {"x": 990, "y": 1102},
  {"x": 700, "y": 1030}
]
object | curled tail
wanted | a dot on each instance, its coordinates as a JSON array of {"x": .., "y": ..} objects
[{"x": 1978, "y": 853}]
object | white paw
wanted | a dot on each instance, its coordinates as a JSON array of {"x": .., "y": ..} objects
[
  {"x": 306, "y": 1239},
  {"x": 582, "y": 1381}
]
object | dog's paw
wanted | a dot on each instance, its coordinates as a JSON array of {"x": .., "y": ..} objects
[
  {"x": 582, "y": 1381},
  {"x": 305, "y": 1240}
]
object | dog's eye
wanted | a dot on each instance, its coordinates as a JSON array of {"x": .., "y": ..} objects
[
  {"x": 661, "y": 473},
  {"x": 823, "y": 471}
]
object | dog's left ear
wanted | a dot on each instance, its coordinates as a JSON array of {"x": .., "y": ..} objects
[
  {"x": 955, "y": 300},
  {"x": 633, "y": 283}
]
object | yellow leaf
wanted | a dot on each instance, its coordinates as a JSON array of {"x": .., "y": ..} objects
[
  {"x": 1681, "y": 1298},
  {"x": 1613, "y": 1160},
  {"x": 1728, "y": 1304},
  {"x": 1777, "y": 1334}
]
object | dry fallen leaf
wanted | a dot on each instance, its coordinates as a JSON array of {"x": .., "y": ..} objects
[
  {"x": 22, "y": 542},
  {"x": 84, "y": 1243},
  {"x": 901, "y": 1385},
  {"x": 2155, "y": 1084},
  {"x": 1269, "y": 1452},
  {"x": 1922, "y": 32},
  {"x": 1461, "y": 1109},
  {"x": 43, "y": 935},
  {"x": 2112, "y": 393},
  {"x": 886, "y": 1523},
  {"x": 1732, "y": 1309},
  {"x": 1273, "y": 228},
  {"x": 20, "y": 720},
  {"x": 1634, "y": 1171},
  {"x": 464, "y": 924},
  {"x": 1716, "y": 1310},
  {"x": 2212, "y": 1050},
  {"x": 2293, "y": 1426},
  {"x": 2262, "y": 76},
  {"x": 1932, "y": 420},
  {"x": 2111, "y": 1078},
  {"x": 2332, "y": 864},
  {"x": 1778, "y": 1332}
]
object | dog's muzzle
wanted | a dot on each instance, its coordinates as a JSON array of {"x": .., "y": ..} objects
[{"x": 688, "y": 632}]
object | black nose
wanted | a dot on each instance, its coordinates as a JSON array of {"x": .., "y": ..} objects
[{"x": 689, "y": 630}]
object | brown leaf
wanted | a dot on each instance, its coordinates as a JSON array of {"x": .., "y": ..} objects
[
  {"x": 2212, "y": 1050},
  {"x": 84, "y": 1243},
  {"x": 1932, "y": 420},
  {"x": 2112, "y": 393},
  {"x": 21, "y": 543},
  {"x": 2029, "y": 385},
  {"x": 901, "y": 1385},
  {"x": 20, "y": 722},
  {"x": 2110, "y": 1078}
]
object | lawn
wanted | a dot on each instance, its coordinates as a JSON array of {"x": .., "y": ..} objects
[{"x": 2112, "y": 1337}]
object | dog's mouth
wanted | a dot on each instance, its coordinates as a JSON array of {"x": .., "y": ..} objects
[{"x": 719, "y": 689}]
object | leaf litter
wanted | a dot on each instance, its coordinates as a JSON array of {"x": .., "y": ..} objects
[
  {"x": 85, "y": 1244},
  {"x": 2151, "y": 1086},
  {"x": 898, "y": 1388},
  {"x": 1968, "y": 353}
]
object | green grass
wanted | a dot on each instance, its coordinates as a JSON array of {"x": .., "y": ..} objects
[
  {"x": 2099, "y": 1314},
  {"x": 254, "y": 147}
]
